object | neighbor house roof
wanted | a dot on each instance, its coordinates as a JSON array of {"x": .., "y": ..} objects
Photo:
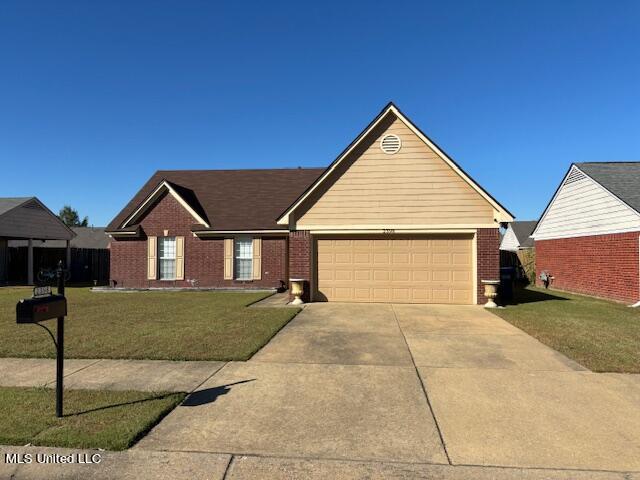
[
  {"x": 86, "y": 237},
  {"x": 620, "y": 178},
  {"x": 28, "y": 217},
  {"x": 522, "y": 230},
  {"x": 227, "y": 200},
  {"x": 10, "y": 203}
]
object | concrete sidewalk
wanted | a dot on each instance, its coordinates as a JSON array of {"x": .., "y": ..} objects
[
  {"x": 143, "y": 464},
  {"x": 140, "y": 375}
]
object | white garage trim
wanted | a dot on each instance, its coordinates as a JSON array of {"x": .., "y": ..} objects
[{"x": 474, "y": 259}]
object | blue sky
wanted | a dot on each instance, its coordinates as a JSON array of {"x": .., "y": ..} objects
[{"x": 96, "y": 96}]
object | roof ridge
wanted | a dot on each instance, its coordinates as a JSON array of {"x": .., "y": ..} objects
[
  {"x": 608, "y": 162},
  {"x": 277, "y": 169}
]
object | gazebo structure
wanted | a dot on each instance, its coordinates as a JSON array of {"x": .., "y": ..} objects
[{"x": 27, "y": 218}]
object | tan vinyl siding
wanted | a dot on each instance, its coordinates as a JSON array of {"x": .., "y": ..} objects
[
  {"x": 412, "y": 187},
  {"x": 228, "y": 258},
  {"x": 152, "y": 258}
]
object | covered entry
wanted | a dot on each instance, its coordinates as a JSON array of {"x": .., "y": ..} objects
[{"x": 411, "y": 269}]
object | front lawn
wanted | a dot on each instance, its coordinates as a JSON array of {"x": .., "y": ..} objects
[
  {"x": 603, "y": 336},
  {"x": 92, "y": 419},
  {"x": 147, "y": 325}
]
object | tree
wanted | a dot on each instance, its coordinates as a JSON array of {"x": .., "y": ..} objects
[{"x": 71, "y": 218}]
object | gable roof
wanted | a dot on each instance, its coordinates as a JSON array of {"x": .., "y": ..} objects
[
  {"x": 228, "y": 200},
  {"x": 184, "y": 196},
  {"x": 28, "y": 217},
  {"x": 391, "y": 109},
  {"x": 609, "y": 175},
  {"x": 7, "y": 204},
  {"x": 620, "y": 178},
  {"x": 522, "y": 230}
]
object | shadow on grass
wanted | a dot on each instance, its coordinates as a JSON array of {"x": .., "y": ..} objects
[
  {"x": 209, "y": 395},
  {"x": 122, "y": 404},
  {"x": 525, "y": 295}
]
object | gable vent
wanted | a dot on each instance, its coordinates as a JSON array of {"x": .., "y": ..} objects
[
  {"x": 574, "y": 176},
  {"x": 390, "y": 144},
  {"x": 32, "y": 204}
]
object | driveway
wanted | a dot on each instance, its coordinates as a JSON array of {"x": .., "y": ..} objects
[{"x": 410, "y": 383}]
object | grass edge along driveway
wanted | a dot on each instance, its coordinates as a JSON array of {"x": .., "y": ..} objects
[
  {"x": 601, "y": 335},
  {"x": 150, "y": 325},
  {"x": 111, "y": 420}
]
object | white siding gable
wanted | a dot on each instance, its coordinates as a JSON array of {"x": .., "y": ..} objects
[
  {"x": 583, "y": 207},
  {"x": 509, "y": 241}
]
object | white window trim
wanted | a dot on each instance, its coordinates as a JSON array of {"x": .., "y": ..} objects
[
  {"x": 236, "y": 263},
  {"x": 160, "y": 259}
]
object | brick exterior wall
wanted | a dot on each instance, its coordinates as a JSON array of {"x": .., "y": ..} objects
[
  {"x": 488, "y": 243},
  {"x": 203, "y": 258},
  {"x": 601, "y": 265},
  {"x": 300, "y": 261}
]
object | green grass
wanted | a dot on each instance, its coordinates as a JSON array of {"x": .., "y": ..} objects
[
  {"x": 147, "y": 325},
  {"x": 603, "y": 336},
  {"x": 92, "y": 419}
]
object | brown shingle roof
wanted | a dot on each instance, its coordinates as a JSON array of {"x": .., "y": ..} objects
[{"x": 230, "y": 199}]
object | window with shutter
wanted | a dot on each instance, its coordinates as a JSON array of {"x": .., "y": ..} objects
[
  {"x": 167, "y": 258},
  {"x": 243, "y": 258}
]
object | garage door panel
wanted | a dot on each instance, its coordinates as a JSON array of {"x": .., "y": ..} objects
[
  {"x": 344, "y": 275},
  {"x": 381, "y": 294},
  {"x": 362, "y": 257},
  {"x": 427, "y": 269},
  {"x": 381, "y": 275},
  {"x": 441, "y": 295},
  {"x": 460, "y": 258},
  {"x": 461, "y": 276},
  {"x": 461, "y": 296},
  {"x": 421, "y": 275},
  {"x": 400, "y": 276},
  {"x": 442, "y": 276}
]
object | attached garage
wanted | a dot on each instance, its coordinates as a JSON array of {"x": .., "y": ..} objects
[
  {"x": 411, "y": 269},
  {"x": 394, "y": 219}
]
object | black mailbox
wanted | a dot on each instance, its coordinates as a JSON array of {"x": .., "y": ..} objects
[{"x": 34, "y": 310}]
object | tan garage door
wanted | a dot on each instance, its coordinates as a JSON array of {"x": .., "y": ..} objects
[{"x": 428, "y": 269}]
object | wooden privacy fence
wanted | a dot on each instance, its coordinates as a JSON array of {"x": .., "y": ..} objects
[
  {"x": 524, "y": 261},
  {"x": 88, "y": 265}
]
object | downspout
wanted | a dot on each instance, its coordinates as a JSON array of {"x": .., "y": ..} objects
[{"x": 637, "y": 304}]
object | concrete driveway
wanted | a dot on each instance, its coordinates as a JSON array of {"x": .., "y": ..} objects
[{"x": 411, "y": 383}]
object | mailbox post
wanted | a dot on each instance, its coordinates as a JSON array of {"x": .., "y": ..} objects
[
  {"x": 60, "y": 345},
  {"x": 46, "y": 306}
]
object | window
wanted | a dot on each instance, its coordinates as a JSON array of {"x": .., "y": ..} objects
[
  {"x": 243, "y": 258},
  {"x": 167, "y": 257}
]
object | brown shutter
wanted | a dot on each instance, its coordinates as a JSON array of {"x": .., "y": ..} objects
[
  {"x": 152, "y": 257},
  {"x": 228, "y": 258},
  {"x": 179, "y": 258},
  {"x": 257, "y": 259}
]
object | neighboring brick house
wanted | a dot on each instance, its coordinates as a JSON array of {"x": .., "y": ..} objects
[
  {"x": 588, "y": 236},
  {"x": 392, "y": 219}
]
